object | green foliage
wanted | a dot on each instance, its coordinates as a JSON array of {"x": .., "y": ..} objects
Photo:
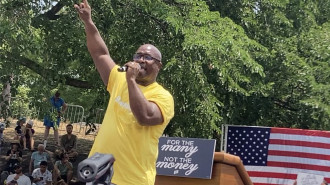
[{"x": 296, "y": 34}]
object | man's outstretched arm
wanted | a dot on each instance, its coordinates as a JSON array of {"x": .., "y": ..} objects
[{"x": 95, "y": 44}]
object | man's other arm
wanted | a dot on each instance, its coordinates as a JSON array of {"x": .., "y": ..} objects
[{"x": 147, "y": 113}]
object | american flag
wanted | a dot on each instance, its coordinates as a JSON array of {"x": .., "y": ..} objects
[{"x": 276, "y": 155}]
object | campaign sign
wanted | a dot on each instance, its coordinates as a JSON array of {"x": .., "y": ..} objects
[{"x": 185, "y": 157}]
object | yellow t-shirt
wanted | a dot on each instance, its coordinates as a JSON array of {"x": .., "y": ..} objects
[{"x": 134, "y": 147}]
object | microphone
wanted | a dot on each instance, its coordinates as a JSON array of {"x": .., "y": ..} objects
[{"x": 122, "y": 69}]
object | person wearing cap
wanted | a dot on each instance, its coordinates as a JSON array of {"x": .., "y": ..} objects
[
  {"x": 29, "y": 132},
  {"x": 42, "y": 175},
  {"x": 139, "y": 108},
  {"x": 18, "y": 178},
  {"x": 60, "y": 107}
]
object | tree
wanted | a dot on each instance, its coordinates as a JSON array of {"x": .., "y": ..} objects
[
  {"x": 295, "y": 34},
  {"x": 5, "y": 99}
]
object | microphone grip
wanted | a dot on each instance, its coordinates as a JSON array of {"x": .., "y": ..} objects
[{"x": 122, "y": 69}]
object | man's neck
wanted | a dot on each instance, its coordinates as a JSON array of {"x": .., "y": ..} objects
[{"x": 144, "y": 83}]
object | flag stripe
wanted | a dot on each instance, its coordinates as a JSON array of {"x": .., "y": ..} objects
[
  {"x": 269, "y": 181},
  {"x": 299, "y": 138},
  {"x": 299, "y": 143},
  {"x": 265, "y": 175},
  {"x": 297, "y": 165},
  {"x": 271, "y": 174},
  {"x": 325, "y": 134},
  {"x": 285, "y": 170},
  {"x": 299, "y": 149},
  {"x": 298, "y": 160},
  {"x": 277, "y": 175},
  {"x": 299, "y": 154}
]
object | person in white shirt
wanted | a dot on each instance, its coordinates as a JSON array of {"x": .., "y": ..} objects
[
  {"x": 41, "y": 175},
  {"x": 18, "y": 178}
]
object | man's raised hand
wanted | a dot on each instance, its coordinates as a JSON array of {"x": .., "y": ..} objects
[{"x": 84, "y": 10}]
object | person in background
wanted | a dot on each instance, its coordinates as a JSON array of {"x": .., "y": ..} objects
[
  {"x": 13, "y": 157},
  {"x": 29, "y": 132},
  {"x": 18, "y": 178},
  {"x": 20, "y": 130},
  {"x": 60, "y": 107},
  {"x": 2, "y": 128},
  {"x": 69, "y": 143},
  {"x": 139, "y": 108},
  {"x": 42, "y": 175},
  {"x": 63, "y": 169},
  {"x": 37, "y": 157}
]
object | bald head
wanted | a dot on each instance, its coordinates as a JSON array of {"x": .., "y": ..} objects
[{"x": 150, "y": 50}]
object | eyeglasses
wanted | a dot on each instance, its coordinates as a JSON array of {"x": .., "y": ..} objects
[{"x": 138, "y": 56}]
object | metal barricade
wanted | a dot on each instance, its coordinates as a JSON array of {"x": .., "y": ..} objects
[
  {"x": 99, "y": 115},
  {"x": 74, "y": 115},
  {"x": 93, "y": 122}
]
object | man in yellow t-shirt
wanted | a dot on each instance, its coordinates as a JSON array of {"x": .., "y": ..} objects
[{"x": 138, "y": 111}]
